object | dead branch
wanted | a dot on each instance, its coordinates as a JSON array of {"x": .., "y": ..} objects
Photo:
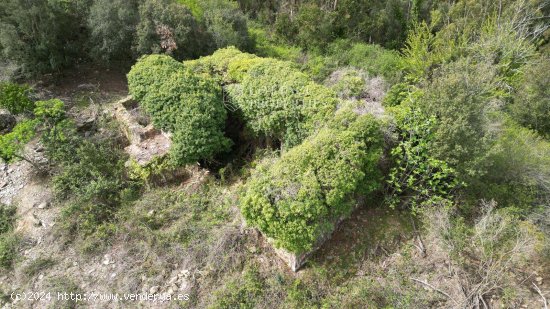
[
  {"x": 420, "y": 246},
  {"x": 541, "y": 295},
  {"x": 434, "y": 288}
]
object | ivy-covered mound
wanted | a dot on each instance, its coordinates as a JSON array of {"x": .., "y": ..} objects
[
  {"x": 277, "y": 100},
  {"x": 298, "y": 198},
  {"x": 186, "y": 104}
]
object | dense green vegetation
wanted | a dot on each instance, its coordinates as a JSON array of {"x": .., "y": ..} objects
[
  {"x": 8, "y": 239},
  {"x": 49, "y": 36},
  {"x": 15, "y": 98},
  {"x": 299, "y": 198},
  {"x": 182, "y": 103},
  {"x": 287, "y": 117},
  {"x": 281, "y": 102}
]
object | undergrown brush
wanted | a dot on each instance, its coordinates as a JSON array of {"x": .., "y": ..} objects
[
  {"x": 9, "y": 240},
  {"x": 90, "y": 182}
]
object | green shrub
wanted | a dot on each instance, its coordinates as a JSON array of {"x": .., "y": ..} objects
[
  {"x": 463, "y": 133},
  {"x": 194, "y": 6},
  {"x": 48, "y": 120},
  {"x": 12, "y": 144},
  {"x": 9, "y": 243},
  {"x": 266, "y": 46},
  {"x": 520, "y": 170},
  {"x": 319, "y": 67},
  {"x": 315, "y": 27},
  {"x": 238, "y": 68},
  {"x": 531, "y": 106},
  {"x": 41, "y": 36},
  {"x": 277, "y": 100},
  {"x": 151, "y": 171},
  {"x": 60, "y": 141},
  {"x": 7, "y": 218},
  {"x": 280, "y": 102},
  {"x": 417, "y": 178},
  {"x": 298, "y": 198},
  {"x": 508, "y": 50},
  {"x": 373, "y": 58},
  {"x": 166, "y": 26},
  {"x": 51, "y": 110},
  {"x": 112, "y": 27},
  {"x": 240, "y": 293},
  {"x": 38, "y": 265},
  {"x": 16, "y": 98},
  {"x": 188, "y": 105},
  {"x": 397, "y": 94},
  {"x": 351, "y": 85},
  {"x": 227, "y": 65},
  {"x": 149, "y": 73},
  {"x": 424, "y": 51},
  {"x": 94, "y": 167},
  {"x": 226, "y": 24},
  {"x": 94, "y": 182}
]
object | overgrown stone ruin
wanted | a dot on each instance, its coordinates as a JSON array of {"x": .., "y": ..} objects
[
  {"x": 145, "y": 142},
  {"x": 295, "y": 261}
]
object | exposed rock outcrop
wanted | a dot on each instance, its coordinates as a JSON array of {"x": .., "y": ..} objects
[{"x": 7, "y": 121}]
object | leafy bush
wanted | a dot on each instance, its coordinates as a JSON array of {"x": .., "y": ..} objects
[
  {"x": 155, "y": 169},
  {"x": 38, "y": 265},
  {"x": 49, "y": 119},
  {"x": 15, "y": 98},
  {"x": 241, "y": 292},
  {"x": 8, "y": 249},
  {"x": 417, "y": 178},
  {"x": 315, "y": 27},
  {"x": 280, "y": 102},
  {"x": 41, "y": 36},
  {"x": 195, "y": 7},
  {"x": 149, "y": 73},
  {"x": 188, "y": 105},
  {"x": 351, "y": 85},
  {"x": 459, "y": 85},
  {"x": 226, "y": 24},
  {"x": 520, "y": 171},
  {"x": 276, "y": 99},
  {"x": 12, "y": 144},
  {"x": 51, "y": 110},
  {"x": 397, "y": 94},
  {"x": 168, "y": 27},
  {"x": 463, "y": 133},
  {"x": 112, "y": 27},
  {"x": 531, "y": 106},
  {"x": 229, "y": 65},
  {"x": 8, "y": 240},
  {"x": 507, "y": 49},
  {"x": 298, "y": 198},
  {"x": 7, "y": 218},
  {"x": 94, "y": 167},
  {"x": 267, "y": 46},
  {"x": 93, "y": 179},
  {"x": 373, "y": 58}
]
